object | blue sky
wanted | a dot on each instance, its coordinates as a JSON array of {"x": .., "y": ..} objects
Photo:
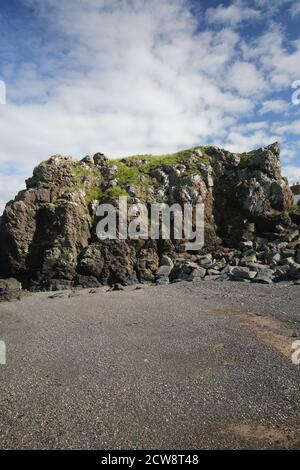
[{"x": 145, "y": 76}]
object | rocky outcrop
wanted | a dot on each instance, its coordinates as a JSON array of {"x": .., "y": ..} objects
[{"x": 48, "y": 239}]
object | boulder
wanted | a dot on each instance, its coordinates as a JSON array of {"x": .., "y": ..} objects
[
  {"x": 10, "y": 289},
  {"x": 163, "y": 271},
  {"x": 294, "y": 272},
  {"x": 205, "y": 260},
  {"x": 166, "y": 261},
  {"x": 262, "y": 278},
  {"x": 187, "y": 272},
  {"x": 239, "y": 272}
]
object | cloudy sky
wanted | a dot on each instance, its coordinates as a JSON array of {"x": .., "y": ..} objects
[{"x": 145, "y": 76}]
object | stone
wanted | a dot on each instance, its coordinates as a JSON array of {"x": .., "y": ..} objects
[
  {"x": 187, "y": 272},
  {"x": 166, "y": 261},
  {"x": 205, "y": 260},
  {"x": 247, "y": 260},
  {"x": 117, "y": 287},
  {"x": 262, "y": 278},
  {"x": 88, "y": 160},
  {"x": 163, "y": 271},
  {"x": 100, "y": 159},
  {"x": 162, "y": 281},
  {"x": 275, "y": 258},
  {"x": 291, "y": 235},
  {"x": 211, "y": 278},
  {"x": 240, "y": 273},
  {"x": 10, "y": 289},
  {"x": 212, "y": 272},
  {"x": 262, "y": 268},
  {"x": 197, "y": 273},
  {"x": 73, "y": 294},
  {"x": 281, "y": 273},
  {"x": 246, "y": 245},
  {"x": 287, "y": 253},
  {"x": 280, "y": 245},
  {"x": 58, "y": 295},
  {"x": 294, "y": 272}
]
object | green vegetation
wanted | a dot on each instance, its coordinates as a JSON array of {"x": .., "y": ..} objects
[
  {"x": 80, "y": 172},
  {"x": 126, "y": 174},
  {"x": 155, "y": 161},
  {"x": 93, "y": 194},
  {"x": 129, "y": 173},
  {"x": 294, "y": 208},
  {"x": 134, "y": 170},
  {"x": 113, "y": 193},
  {"x": 245, "y": 157},
  {"x": 145, "y": 163}
]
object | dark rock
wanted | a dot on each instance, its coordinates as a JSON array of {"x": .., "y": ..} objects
[
  {"x": 100, "y": 159},
  {"x": 240, "y": 273},
  {"x": 163, "y": 271},
  {"x": 166, "y": 261},
  {"x": 48, "y": 233},
  {"x": 10, "y": 289},
  {"x": 187, "y": 272},
  {"x": 205, "y": 260},
  {"x": 294, "y": 272},
  {"x": 117, "y": 287},
  {"x": 74, "y": 293},
  {"x": 86, "y": 281},
  {"x": 261, "y": 279},
  {"x": 246, "y": 245},
  {"x": 58, "y": 295},
  {"x": 162, "y": 280}
]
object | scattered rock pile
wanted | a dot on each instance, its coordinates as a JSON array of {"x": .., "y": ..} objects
[{"x": 272, "y": 258}]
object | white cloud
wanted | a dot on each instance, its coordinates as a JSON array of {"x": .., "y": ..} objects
[
  {"x": 295, "y": 9},
  {"x": 279, "y": 63},
  {"x": 233, "y": 14},
  {"x": 237, "y": 141},
  {"x": 290, "y": 128},
  {"x": 246, "y": 79},
  {"x": 292, "y": 173},
  {"x": 135, "y": 76},
  {"x": 274, "y": 106},
  {"x": 16, "y": 184}
]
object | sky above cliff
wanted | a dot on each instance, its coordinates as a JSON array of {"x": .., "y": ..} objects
[{"x": 145, "y": 76}]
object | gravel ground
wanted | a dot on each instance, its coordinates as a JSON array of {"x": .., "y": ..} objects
[{"x": 183, "y": 366}]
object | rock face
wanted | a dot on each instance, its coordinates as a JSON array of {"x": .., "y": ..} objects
[{"x": 48, "y": 239}]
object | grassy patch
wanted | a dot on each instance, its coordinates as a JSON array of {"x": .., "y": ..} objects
[
  {"x": 93, "y": 194},
  {"x": 113, "y": 193},
  {"x": 294, "y": 208},
  {"x": 245, "y": 157},
  {"x": 81, "y": 172},
  {"x": 155, "y": 161}
]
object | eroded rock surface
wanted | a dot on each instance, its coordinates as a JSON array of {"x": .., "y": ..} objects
[{"x": 48, "y": 233}]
